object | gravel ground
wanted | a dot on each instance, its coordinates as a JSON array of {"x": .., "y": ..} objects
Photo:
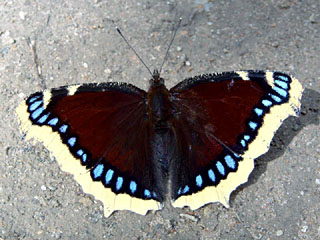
[{"x": 45, "y": 44}]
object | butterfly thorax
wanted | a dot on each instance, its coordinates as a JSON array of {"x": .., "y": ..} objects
[{"x": 159, "y": 105}]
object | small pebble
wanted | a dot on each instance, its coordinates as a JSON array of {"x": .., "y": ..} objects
[
  {"x": 188, "y": 63},
  {"x": 107, "y": 71},
  {"x": 304, "y": 229},
  {"x": 43, "y": 188},
  {"x": 21, "y": 95},
  {"x": 318, "y": 181},
  {"x": 22, "y": 15},
  {"x": 85, "y": 65},
  {"x": 179, "y": 49},
  {"x": 85, "y": 201},
  {"x": 279, "y": 233},
  {"x": 190, "y": 217}
]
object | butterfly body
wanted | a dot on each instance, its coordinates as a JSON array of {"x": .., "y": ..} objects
[{"x": 196, "y": 141}]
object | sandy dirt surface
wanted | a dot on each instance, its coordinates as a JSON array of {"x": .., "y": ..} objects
[{"x": 45, "y": 44}]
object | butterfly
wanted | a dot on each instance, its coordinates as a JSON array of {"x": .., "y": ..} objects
[{"x": 132, "y": 149}]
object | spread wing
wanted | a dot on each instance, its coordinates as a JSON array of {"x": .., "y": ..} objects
[
  {"x": 99, "y": 133},
  {"x": 222, "y": 123}
]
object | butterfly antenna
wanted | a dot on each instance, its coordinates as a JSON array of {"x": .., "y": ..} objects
[
  {"x": 169, "y": 46},
  {"x": 133, "y": 50}
]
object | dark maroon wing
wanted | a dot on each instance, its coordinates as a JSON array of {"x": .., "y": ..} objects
[
  {"x": 105, "y": 127},
  {"x": 217, "y": 118}
]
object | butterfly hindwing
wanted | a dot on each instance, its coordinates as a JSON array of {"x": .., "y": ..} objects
[
  {"x": 99, "y": 133},
  {"x": 223, "y": 122}
]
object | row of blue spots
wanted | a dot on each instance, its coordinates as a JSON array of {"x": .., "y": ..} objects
[
  {"x": 83, "y": 155},
  {"x": 244, "y": 141},
  {"x": 185, "y": 189},
  {"x": 35, "y": 106},
  {"x": 98, "y": 170}
]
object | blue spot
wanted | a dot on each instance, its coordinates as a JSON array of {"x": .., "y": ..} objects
[
  {"x": 97, "y": 171},
  {"x": 84, "y": 157},
  {"x": 230, "y": 162},
  {"x": 186, "y": 189},
  {"x": 53, "y": 121},
  {"x": 109, "y": 176},
  {"x": 63, "y": 128},
  {"x": 211, "y": 175},
  {"x": 220, "y": 168},
  {"x": 253, "y": 125},
  {"x": 284, "y": 78},
  {"x": 154, "y": 195},
  {"x": 280, "y": 91},
  {"x": 43, "y": 118},
  {"x": 266, "y": 103},
  {"x": 119, "y": 183},
  {"x": 282, "y": 84},
  {"x": 80, "y": 152},
  {"x": 258, "y": 111},
  {"x": 35, "y": 105},
  {"x": 179, "y": 191},
  {"x": 37, "y": 113},
  {"x": 246, "y": 137},
  {"x": 147, "y": 193},
  {"x": 133, "y": 186},
  {"x": 72, "y": 141},
  {"x": 199, "y": 181},
  {"x": 243, "y": 142},
  {"x": 31, "y": 100},
  {"x": 276, "y": 98}
]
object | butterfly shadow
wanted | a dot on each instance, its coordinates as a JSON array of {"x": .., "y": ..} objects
[{"x": 310, "y": 109}]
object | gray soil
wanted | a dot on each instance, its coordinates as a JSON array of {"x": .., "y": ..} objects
[{"x": 46, "y": 44}]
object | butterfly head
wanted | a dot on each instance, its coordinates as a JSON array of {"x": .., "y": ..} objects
[{"x": 156, "y": 80}]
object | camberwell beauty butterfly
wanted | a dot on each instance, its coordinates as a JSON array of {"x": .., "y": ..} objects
[{"x": 195, "y": 142}]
